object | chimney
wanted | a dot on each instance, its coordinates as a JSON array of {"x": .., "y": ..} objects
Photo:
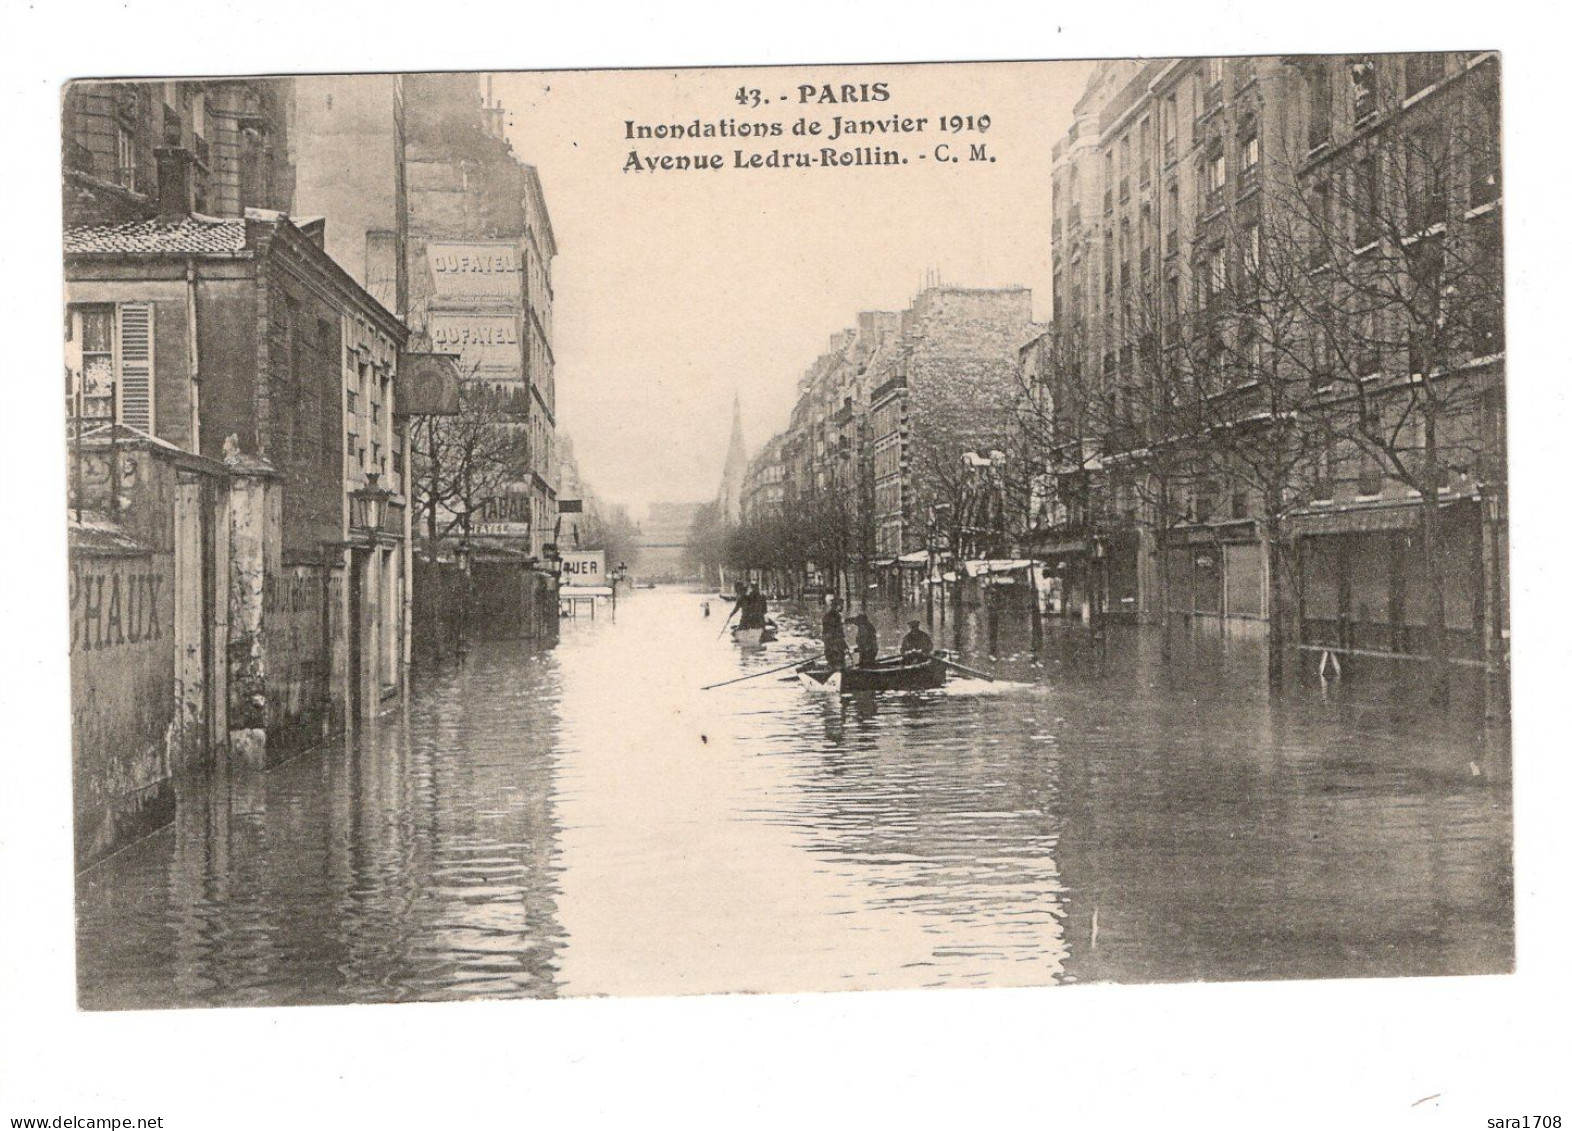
[{"x": 175, "y": 188}]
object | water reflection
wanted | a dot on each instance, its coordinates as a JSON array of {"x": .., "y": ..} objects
[
  {"x": 585, "y": 820},
  {"x": 417, "y": 862}
]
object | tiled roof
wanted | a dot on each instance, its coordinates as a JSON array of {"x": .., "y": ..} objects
[{"x": 186, "y": 235}]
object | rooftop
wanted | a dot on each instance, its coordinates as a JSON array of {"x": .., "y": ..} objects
[{"x": 183, "y": 235}]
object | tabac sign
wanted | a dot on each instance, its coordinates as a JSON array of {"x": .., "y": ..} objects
[
  {"x": 487, "y": 344},
  {"x": 474, "y": 269},
  {"x": 584, "y": 567}
]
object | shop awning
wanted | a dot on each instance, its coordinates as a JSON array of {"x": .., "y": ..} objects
[
  {"x": 1063, "y": 546},
  {"x": 1361, "y": 520},
  {"x": 917, "y": 559},
  {"x": 995, "y": 565}
]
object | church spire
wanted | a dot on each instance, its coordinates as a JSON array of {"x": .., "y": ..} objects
[{"x": 736, "y": 466}]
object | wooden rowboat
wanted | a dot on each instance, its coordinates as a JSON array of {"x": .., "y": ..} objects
[
  {"x": 895, "y": 674},
  {"x": 753, "y": 637}
]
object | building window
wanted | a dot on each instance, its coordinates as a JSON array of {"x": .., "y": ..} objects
[
  {"x": 1170, "y": 130},
  {"x": 1146, "y": 152},
  {"x": 1485, "y": 154},
  {"x": 125, "y": 158},
  {"x": 1249, "y": 154},
  {"x": 1427, "y": 180},
  {"x": 1252, "y": 249},
  {"x": 1362, "y": 79},
  {"x": 1423, "y": 71},
  {"x": 1239, "y": 501},
  {"x": 1323, "y": 473},
  {"x": 109, "y": 361},
  {"x": 1322, "y": 226},
  {"x": 1214, "y": 179},
  {"x": 92, "y": 330},
  {"x": 1214, "y": 274},
  {"x": 351, "y": 444},
  {"x": 1320, "y": 106},
  {"x": 1367, "y": 211},
  {"x": 1172, "y": 247},
  {"x": 1320, "y": 349},
  {"x": 1370, "y": 477}
]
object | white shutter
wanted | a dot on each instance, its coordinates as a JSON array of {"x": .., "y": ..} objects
[{"x": 135, "y": 329}]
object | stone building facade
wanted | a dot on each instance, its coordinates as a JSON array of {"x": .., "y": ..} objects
[
  {"x": 439, "y": 218},
  {"x": 1194, "y": 203},
  {"x": 236, "y": 132},
  {"x": 239, "y": 340},
  {"x": 872, "y": 458}
]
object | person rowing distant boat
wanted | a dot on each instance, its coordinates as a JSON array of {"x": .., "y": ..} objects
[
  {"x": 916, "y": 644},
  {"x": 755, "y": 609}
]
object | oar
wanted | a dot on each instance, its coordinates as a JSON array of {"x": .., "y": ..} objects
[
  {"x": 770, "y": 671},
  {"x": 725, "y": 622},
  {"x": 961, "y": 667}
]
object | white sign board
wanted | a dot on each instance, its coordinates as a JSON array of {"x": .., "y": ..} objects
[
  {"x": 474, "y": 270},
  {"x": 584, "y": 567},
  {"x": 487, "y": 344}
]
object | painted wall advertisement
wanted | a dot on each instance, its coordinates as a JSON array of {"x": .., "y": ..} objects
[
  {"x": 487, "y": 344},
  {"x": 584, "y": 567},
  {"x": 474, "y": 269}
]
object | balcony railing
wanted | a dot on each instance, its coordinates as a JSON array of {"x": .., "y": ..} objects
[{"x": 887, "y": 388}]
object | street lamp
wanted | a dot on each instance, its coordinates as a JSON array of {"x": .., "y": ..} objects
[
  {"x": 463, "y": 555},
  {"x": 370, "y": 505}
]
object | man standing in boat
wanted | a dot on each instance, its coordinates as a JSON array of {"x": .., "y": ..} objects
[
  {"x": 753, "y": 607},
  {"x": 916, "y": 644},
  {"x": 867, "y": 641},
  {"x": 834, "y": 636}
]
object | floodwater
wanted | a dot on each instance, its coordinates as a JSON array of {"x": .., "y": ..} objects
[{"x": 584, "y": 819}]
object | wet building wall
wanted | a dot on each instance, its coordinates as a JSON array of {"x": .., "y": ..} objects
[
  {"x": 123, "y": 720},
  {"x": 302, "y": 621},
  {"x": 144, "y": 550}
]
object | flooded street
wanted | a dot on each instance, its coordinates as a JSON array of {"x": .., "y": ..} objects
[{"x": 584, "y": 820}]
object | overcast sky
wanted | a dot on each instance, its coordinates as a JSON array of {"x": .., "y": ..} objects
[{"x": 675, "y": 289}]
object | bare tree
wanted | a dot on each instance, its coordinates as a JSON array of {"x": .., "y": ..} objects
[
  {"x": 467, "y": 463},
  {"x": 1403, "y": 296},
  {"x": 1247, "y": 403}
]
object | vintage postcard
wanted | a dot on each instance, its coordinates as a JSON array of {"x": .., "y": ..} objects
[{"x": 694, "y": 531}]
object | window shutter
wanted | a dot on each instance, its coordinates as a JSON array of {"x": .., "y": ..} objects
[{"x": 136, "y": 365}]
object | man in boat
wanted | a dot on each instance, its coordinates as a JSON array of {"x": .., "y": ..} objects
[
  {"x": 867, "y": 641},
  {"x": 753, "y": 608},
  {"x": 916, "y": 644},
  {"x": 834, "y": 636}
]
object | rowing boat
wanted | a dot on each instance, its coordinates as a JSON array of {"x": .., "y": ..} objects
[
  {"x": 896, "y": 674},
  {"x": 753, "y": 637}
]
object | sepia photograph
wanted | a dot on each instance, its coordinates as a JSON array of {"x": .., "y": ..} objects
[
  {"x": 774, "y": 568},
  {"x": 1006, "y": 524}
]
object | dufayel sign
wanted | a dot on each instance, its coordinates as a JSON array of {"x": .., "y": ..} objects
[
  {"x": 474, "y": 269},
  {"x": 584, "y": 567}
]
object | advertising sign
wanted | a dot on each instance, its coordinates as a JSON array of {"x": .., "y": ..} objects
[
  {"x": 487, "y": 344},
  {"x": 584, "y": 567},
  {"x": 506, "y": 515},
  {"x": 474, "y": 269}
]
